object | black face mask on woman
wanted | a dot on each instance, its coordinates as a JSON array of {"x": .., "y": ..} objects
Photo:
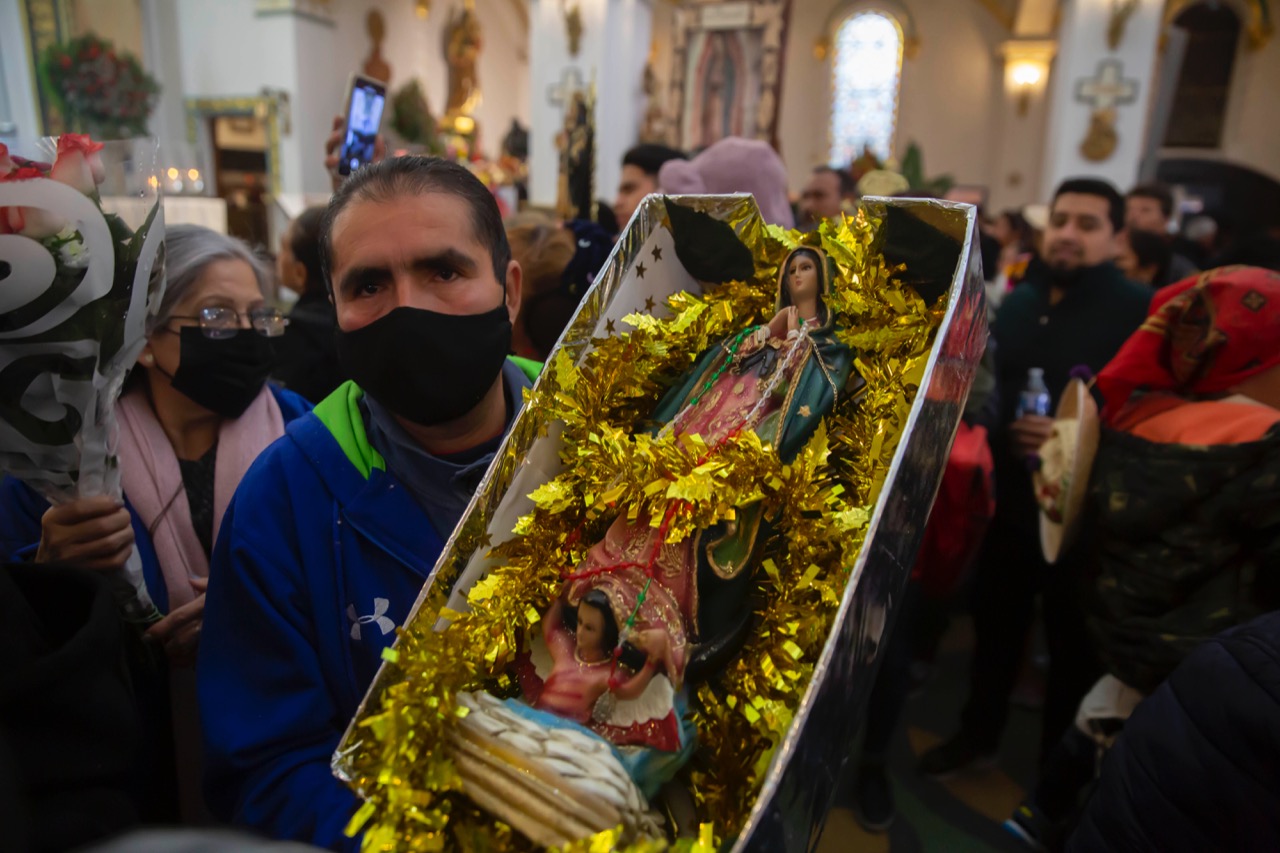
[
  {"x": 224, "y": 375},
  {"x": 427, "y": 367}
]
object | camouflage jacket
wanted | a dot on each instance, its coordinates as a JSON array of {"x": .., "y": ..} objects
[{"x": 1188, "y": 545}]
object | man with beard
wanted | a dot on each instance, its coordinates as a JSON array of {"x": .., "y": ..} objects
[
  {"x": 1078, "y": 310},
  {"x": 824, "y": 196},
  {"x": 336, "y": 527}
]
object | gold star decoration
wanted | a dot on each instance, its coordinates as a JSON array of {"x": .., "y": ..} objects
[
  {"x": 608, "y": 327},
  {"x": 648, "y": 304},
  {"x": 486, "y": 541},
  {"x": 805, "y": 411},
  {"x": 657, "y": 253},
  {"x": 640, "y": 270}
]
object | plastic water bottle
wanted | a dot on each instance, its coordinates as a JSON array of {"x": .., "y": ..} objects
[{"x": 1034, "y": 399}]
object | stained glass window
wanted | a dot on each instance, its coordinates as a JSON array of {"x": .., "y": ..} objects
[{"x": 867, "y": 71}]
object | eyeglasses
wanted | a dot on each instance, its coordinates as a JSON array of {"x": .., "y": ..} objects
[{"x": 220, "y": 323}]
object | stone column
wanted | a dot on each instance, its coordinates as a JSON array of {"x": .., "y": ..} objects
[
  {"x": 1103, "y": 83},
  {"x": 612, "y": 50}
]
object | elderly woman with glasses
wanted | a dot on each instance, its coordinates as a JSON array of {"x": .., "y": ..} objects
[{"x": 194, "y": 415}]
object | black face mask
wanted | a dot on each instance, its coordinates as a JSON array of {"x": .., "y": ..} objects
[
  {"x": 426, "y": 367},
  {"x": 222, "y": 374}
]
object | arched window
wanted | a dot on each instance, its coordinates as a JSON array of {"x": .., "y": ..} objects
[
  {"x": 866, "y": 73},
  {"x": 1204, "y": 81}
]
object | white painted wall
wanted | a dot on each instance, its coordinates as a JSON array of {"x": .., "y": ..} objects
[
  {"x": 414, "y": 47},
  {"x": 224, "y": 50},
  {"x": 950, "y": 92},
  {"x": 1252, "y": 136},
  {"x": 1082, "y": 45},
  {"x": 613, "y": 50},
  {"x": 19, "y": 87}
]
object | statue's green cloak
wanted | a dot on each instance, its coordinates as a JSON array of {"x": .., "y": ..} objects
[{"x": 726, "y": 549}]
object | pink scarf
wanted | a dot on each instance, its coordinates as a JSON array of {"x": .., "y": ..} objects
[{"x": 153, "y": 481}]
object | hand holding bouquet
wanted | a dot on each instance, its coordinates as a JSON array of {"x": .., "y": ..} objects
[{"x": 76, "y": 285}]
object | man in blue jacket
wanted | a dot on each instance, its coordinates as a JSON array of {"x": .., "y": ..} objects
[{"x": 333, "y": 531}]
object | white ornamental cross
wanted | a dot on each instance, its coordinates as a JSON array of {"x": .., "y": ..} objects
[
  {"x": 1107, "y": 89},
  {"x": 570, "y": 82}
]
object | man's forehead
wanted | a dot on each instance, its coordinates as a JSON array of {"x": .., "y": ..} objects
[
  {"x": 435, "y": 217},
  {"x": 1081, "y": 204},
  {"x": 824, "y": 180},
  {"x": 634, "y": 173}
]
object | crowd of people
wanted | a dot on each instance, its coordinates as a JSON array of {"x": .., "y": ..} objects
[{"x": 290, "y": 480}]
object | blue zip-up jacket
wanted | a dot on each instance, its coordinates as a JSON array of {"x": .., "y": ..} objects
[
  {"x": 21, "y": 508},
  {"x": 320, "y": 557}
]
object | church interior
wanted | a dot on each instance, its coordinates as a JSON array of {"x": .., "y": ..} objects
[
  {"x": 997, "y": 98},
  {"x": 987, "y": 102}
]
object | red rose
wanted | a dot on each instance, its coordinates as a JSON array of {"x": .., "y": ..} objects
[
  {"x": 78, "y": 163},
  {"x": 64, "y": 61}
]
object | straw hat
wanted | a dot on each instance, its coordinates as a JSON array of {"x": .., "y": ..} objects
[{"x": 1065, "y": 462}]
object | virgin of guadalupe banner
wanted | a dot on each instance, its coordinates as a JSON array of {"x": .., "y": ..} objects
[
  {"x": 726, "y": 75},
  {"x": 77, "y": 283}
]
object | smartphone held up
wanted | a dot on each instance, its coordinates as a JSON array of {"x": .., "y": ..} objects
[{"x": 366, "y": 98}]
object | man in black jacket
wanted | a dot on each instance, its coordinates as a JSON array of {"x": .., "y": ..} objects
[
  {"x": 1077, "y": 310},
  {"x": 1196, "y": 767}
]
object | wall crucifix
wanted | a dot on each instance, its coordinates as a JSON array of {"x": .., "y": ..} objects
[
  {"x": 1104, "y": 92},
  {"x": 570, "y": 82}
]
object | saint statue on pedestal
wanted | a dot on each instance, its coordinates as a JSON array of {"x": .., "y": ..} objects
[{"x": 462, "y": 44}]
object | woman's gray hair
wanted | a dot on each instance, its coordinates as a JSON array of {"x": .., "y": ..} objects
[{"x": 188, "y": 251}]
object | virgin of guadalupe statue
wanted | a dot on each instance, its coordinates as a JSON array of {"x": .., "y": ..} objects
[
  {"x": 684, "y": 602},
  {"x": 779, "y": 380},
  {"x": 603, "y": 706}
]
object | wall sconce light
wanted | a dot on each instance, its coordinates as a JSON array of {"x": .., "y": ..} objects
[
  {"x": 1026, "y": 70},
  {"x": 422, "y": 8},
  {"x": 1025, "y": 77}
]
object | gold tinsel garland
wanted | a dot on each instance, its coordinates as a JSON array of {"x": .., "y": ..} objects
[{"x": 822, "y": 502}]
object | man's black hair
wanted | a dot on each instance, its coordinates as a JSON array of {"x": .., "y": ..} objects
[
  {"x": 1100, "y": 188},
  {"x": 1159, "y": 192},
  {"x": 649, "y": 158},
  {"x": 847, "y": 184},
  {"x": 304, "y": 243},
  {"x": 417, "y": 175}
]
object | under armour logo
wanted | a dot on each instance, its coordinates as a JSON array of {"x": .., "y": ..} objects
[{"x": 377, "y": 617}]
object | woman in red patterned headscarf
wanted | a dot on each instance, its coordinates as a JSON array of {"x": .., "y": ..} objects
[{"x": 1204, "y": 360}]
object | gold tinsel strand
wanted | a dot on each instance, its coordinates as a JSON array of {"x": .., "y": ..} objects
[{"x": 822, "y": 502}]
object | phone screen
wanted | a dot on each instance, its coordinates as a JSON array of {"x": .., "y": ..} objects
[{"x": 364, "y": 117}]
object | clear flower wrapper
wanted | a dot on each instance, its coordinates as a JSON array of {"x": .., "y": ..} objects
[{"x": 77, "y": 282}]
